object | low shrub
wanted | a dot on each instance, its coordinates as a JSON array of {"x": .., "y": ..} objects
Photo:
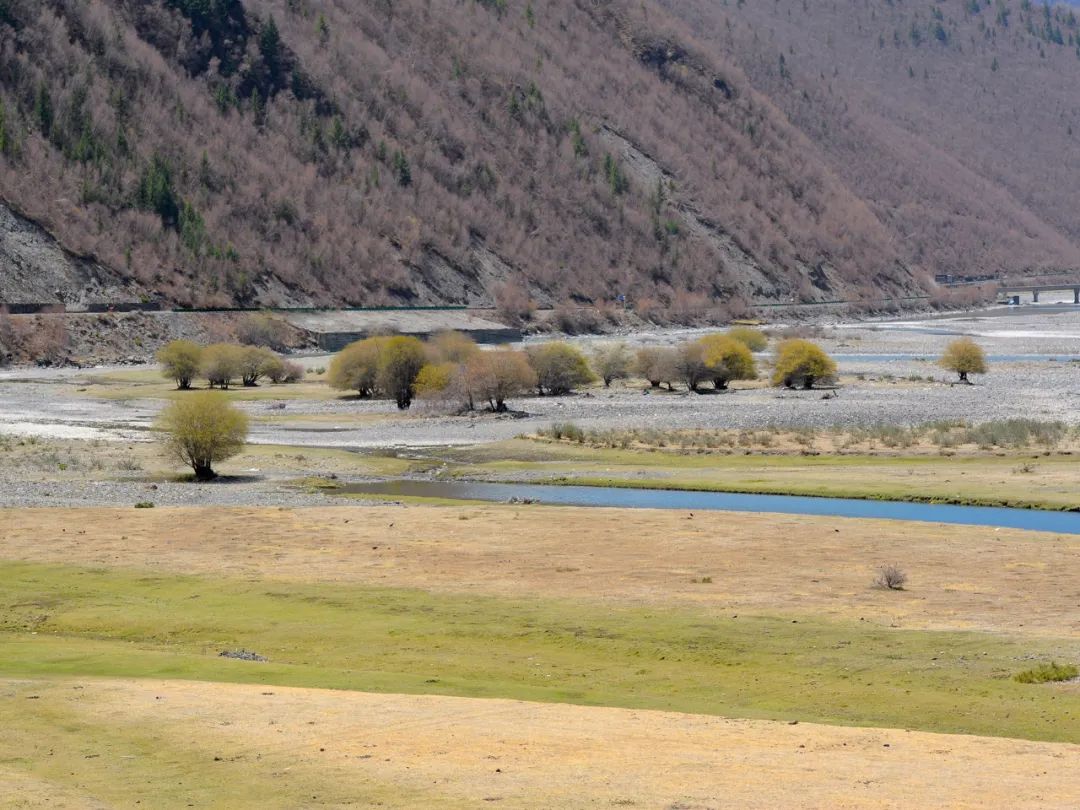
[
  {"x": 565, "y": 430},
  {"x": 891, "y": 577},
  {"x": 287, "y": 372},
  {"x": 1017, "y": 433},
  {"x": 576, "y": 320},
  {"x": 1048, "y": 673},
  {"x": 264, "y": 329}
]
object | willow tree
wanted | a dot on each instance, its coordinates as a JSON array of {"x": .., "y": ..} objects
[
  {"x": 801, "y": 363},
  {"x": 727, "y": 359},
  {"x": 559, "y": 367},
  {"x": 356, "y": 367},
  {"x": 180, "y": 361},
  {"x": 202, "y": 429},
  {"x": 400, "y": 360},
  {"x": 964, "y": 356}
]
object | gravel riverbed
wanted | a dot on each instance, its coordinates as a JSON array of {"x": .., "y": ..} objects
[
  {"x": 226, "y": 492},
  {"x": 888, "y": 376}
]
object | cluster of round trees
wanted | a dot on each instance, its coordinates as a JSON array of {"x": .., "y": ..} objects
[
  {"x": 450, "y": 367},
  {"x": 716, "y": 359},
  {"x": 723, "y": 358},
  {"x": 203, "y": 428},
  {"x": 222, "y": 364}
]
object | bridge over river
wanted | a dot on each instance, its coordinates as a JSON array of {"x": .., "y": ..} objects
[{"x": 1035, "y": 289}]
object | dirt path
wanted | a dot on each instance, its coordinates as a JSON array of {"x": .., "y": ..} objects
[
  {"x": 422, "y": 751},
  {"x": 959, "y": 577}
]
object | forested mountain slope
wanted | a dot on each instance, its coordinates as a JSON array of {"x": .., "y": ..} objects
[
  {"x": 374, "y": 152},
  {"x": 417, "y": 151},
  {"x": 958, "y": 121}
]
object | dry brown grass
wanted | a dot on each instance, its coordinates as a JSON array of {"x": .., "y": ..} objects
[
  {"x": 423, "y": 751},
  {"x": 960, "y": 577}
]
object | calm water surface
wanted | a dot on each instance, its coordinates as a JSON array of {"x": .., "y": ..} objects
[{"x": 1033, "y": 519}]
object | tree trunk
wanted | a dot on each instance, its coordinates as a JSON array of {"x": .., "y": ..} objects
[
  {"x": 720, "y": 383},
  {"x": 808, "y": 383},
  {"x": 203, "y": 472},
  {"x": 964, "y": 377}
]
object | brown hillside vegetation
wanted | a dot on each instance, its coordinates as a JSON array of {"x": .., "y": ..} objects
[
  {"x": 287, "y": 151},
  {"x": 956, "y": 120},
  {"x": 463, "y": 151}
]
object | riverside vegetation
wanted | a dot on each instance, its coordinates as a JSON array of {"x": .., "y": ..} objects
[
  {"x": 453, "y": 369},
  {"x": 113, "y": 614}
]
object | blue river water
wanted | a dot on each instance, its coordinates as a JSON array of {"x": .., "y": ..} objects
[
  {"x": 993, "y": 358},
  {"x": 1032, "y": 519}
]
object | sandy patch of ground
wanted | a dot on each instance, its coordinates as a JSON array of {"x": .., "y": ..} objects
[
  {"x": 21, "y": 791},
  {"x": 424, "y": 751},
  {"x": 959, "y": 577}
]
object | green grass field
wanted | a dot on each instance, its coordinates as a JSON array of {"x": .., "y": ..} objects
[{"x": 65, "y": 621}]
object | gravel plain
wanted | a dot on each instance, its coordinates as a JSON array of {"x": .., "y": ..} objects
[
  {"x": 888, "y": 376},
  {"x": 224, "y": 492}
]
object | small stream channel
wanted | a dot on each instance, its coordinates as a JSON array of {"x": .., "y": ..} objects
[{"x": 626, "y": 498}]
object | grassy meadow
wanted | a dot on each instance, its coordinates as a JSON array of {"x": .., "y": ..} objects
[{"x": 85, "y": 622}]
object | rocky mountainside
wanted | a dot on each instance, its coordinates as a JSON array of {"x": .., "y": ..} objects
[
  {"x": 417, "y": 152},
  {"x": 36, "y": 269}
]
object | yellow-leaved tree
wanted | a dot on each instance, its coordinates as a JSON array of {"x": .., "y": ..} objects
[
  {"x": 801, "y": 363},
  {"x": 202, "y": 429},
  {"x": 180, "y": 361},
  {"x": 400, "y": 360},
  {"x": 754, "y": 339},
  {"x": 726, "y": 359},
  {"x": 964, "y": 356},
  {"x": 356, "y": 367}
]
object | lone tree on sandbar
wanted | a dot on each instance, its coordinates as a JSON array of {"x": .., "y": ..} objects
[
  {"x": 964, "y": 356},
  {"x": 802, "y": 363},
  {"x": 202, "y": 429}
]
